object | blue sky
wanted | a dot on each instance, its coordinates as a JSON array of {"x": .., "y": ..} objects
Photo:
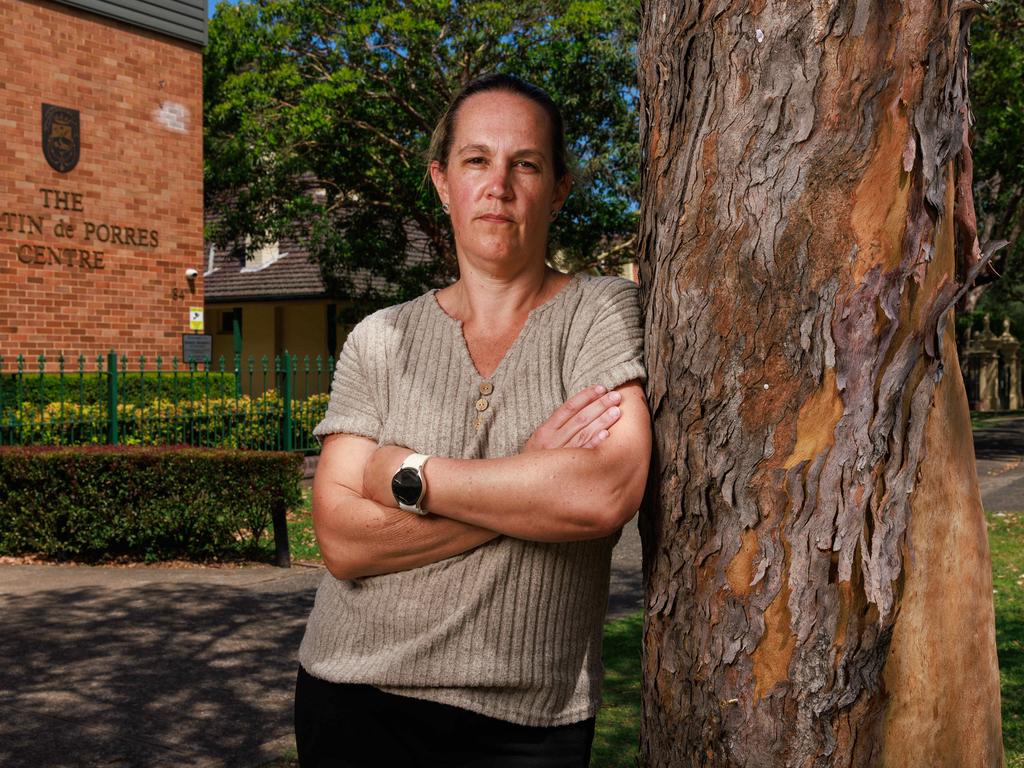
[{"x": 212, "y": 4}]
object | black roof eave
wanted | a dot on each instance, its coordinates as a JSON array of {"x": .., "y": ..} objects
[{"x": 276, "y": 297}]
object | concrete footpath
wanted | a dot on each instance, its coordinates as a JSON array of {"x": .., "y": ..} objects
[
  {"x": 999, "y": 451},
  {"x": 156, "y": 666}
]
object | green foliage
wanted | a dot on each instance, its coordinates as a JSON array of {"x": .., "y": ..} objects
[
  {"x": 224, "y": 422},
  {"x": 997, "y": 99},
  {"x": 342, "y": 96},
  {"x": 91, "y": 388},
  {"x": 55, "y": 424},
  {"x": 101, "y": 502}
]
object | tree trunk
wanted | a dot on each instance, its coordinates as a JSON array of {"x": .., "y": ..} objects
[{"x": 815, "y": 553}]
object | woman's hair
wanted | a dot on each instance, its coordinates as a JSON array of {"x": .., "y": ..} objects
[{"x": 444, "y": 131}]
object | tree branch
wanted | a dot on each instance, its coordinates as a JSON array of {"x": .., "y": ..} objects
[{"x": 402, "y": 150}]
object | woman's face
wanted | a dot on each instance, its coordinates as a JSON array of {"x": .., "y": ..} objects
[{"x": 500, "y": 181}]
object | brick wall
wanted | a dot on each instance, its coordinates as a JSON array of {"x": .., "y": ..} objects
[{"x": 134, "y": 200}]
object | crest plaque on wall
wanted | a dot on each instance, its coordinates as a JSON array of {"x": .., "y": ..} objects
[{"x": 60, "y": 137}]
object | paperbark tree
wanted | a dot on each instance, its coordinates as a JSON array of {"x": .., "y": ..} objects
[{"x": 816, "y": 559}]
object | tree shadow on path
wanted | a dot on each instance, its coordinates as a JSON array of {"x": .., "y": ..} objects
[
  {"x": 182, "y": 674},
  {"x": 1002, "y": 441}
]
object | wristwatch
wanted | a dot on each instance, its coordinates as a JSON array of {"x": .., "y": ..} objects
[{"x": 409, "y": 485}]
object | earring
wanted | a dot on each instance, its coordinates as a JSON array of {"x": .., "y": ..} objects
[
  {"x": 445, "y": 208},
  {"x": 554, "y": 214}
]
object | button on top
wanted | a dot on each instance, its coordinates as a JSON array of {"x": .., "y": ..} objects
[
  {"x": 481, "y": 404},
  {"x": 486, "y": 388}
]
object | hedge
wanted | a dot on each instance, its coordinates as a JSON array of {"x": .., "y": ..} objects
[
  {"x": 132, "y": 387},
  {"x": 231, "y": 422},
  {"x": 99, "y": 502}
]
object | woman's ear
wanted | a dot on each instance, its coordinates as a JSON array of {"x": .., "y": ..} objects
[
  {"x": 440, "y": 179},
  {"x": 562, "y": 188}
]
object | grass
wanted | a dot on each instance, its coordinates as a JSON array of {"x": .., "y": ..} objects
[
  {"x": 288, "y": 760},
  {"x": 616, "y": 738},
  {"x": 986, "y": 419},
  {"x": 301, "y": 538},
  {"x": 1006, "y": 538}
]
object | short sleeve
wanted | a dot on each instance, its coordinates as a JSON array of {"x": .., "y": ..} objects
[
  {"x": 613, "y": 347},
  {"x": 352, "y": 408}
]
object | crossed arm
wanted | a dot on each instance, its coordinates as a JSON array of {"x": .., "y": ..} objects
[{"x": 580, "y": 476}]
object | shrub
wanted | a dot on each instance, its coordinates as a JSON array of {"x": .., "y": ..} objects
[
  {"x": 98, "y": 502},
  {"x": 57, "y": 424},
  {"x": 228, "y": 422},
  {"x": 306, "y": 414},
  {"x": 132, "y": 387}
]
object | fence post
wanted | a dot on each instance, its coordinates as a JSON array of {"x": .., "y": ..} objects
[
  {"x": 286, "y": 438},
  {"x": 112, "y": 397},
  {"x": 282, "y": 553}
]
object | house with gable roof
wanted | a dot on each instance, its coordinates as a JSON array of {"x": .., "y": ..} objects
[{"x": 276, "y": 302}]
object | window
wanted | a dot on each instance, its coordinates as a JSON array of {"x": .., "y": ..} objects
[{"x": 227, "y": 318}]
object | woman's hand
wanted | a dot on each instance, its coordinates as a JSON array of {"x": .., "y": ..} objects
[{"x": 582, "y": 421}]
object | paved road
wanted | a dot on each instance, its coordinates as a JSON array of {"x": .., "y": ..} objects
[
  {"x": 163, "y": 667},
  {"x": 1000, "y": 453}
]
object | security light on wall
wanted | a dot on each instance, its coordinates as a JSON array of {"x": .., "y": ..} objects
[{"x": 191, "y": 274}]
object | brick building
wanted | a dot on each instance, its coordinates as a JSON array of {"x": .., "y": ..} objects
[{"x": 101, "y": 176}]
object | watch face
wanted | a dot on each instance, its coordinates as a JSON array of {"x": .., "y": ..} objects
[{"x": 406, "y": 486}]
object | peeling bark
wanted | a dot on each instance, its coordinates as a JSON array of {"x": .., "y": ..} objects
[{"x": 806, "y": 227}]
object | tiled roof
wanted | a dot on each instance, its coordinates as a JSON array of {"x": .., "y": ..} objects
[{"x": 292, "y": 275}]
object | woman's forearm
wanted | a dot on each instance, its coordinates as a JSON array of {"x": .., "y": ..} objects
[
  {"x": 359, "y": 537},
  {"x": 561, "y": 495}
]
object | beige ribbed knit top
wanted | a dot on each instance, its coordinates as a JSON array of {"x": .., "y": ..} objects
[{"x": 511, "y": 629}]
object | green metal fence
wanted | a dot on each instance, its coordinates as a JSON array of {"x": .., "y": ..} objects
[{"x": 180, "y": 404}]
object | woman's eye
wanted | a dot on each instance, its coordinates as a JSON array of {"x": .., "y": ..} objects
[{"x": 528, "y": 165}]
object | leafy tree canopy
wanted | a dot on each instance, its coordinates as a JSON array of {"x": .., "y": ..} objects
[
  {"x": 997, "y": 96},
  {"x": 318, "y": 116}
]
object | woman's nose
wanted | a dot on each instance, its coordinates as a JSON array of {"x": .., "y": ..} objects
[{"x": 498, "y": 185}]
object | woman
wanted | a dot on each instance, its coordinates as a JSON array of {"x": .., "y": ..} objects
[{"x": 468, "y": 537}]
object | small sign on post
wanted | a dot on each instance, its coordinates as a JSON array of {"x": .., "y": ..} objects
[
  {"x": 195, "y": 318},
  {"x": 196, "y": 347}
]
